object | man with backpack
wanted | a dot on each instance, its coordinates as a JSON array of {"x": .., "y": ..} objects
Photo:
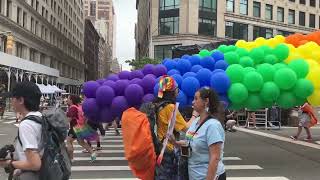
[{"x": 36, "y": 155}]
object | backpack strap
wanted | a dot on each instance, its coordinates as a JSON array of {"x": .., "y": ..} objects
[{"x": 33, "y": 118}]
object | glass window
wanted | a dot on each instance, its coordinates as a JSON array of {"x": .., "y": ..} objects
[
  {"x": 312, "y": 20},
  {"x": 244, "y": 7},
  {"x": 18, "y": 15},
  {"x": 163, "y": 51},
  {"x": 230, "y": 5},
  {"x": 269, "y": 12},
  {"x": 269, "y": 33},
  {"x": 280, "y": 14},
  {"x": 292, "y": 16},
  {"x": 169, "y": 4},
  {"x": 284, "y": 33},
  {"x": 236, "y": 30},
  {"x": 207, "y": 27},
  {"x": 256, "y": 9},
  {"x": 302, "y": 18},
  {"x": 169, "y": 25},
  {"x": 208, "y": 5},
  {"x": 313, "y": 3},
  {"x": 302, "y": 1},
  {"x": 292, "y": 0},
  {"x": 93, "y": 8}
]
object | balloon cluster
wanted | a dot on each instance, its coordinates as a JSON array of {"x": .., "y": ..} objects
[
  {"x": 193, "y": 72},
  {"x": 298, "y": 39},
  {"x": 106, "y": 99}
]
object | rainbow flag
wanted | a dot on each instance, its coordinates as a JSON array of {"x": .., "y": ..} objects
[{"x": 84, "y": 131}]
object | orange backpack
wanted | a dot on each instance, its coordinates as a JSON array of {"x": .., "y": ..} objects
[{"x": 138, "y": 144}]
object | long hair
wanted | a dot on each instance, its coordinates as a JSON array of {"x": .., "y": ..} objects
[
  {"x": 75, "y": 99},
  {"x": 167, "y": 96}
]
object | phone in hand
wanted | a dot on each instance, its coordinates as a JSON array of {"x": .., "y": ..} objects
[{"x": 185, "y": 151}]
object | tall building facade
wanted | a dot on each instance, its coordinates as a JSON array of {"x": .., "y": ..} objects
[
  {"x": 44, "y": 39},
  {"x": 164, "y": 24},
  {"x": 91, "y": 51}
]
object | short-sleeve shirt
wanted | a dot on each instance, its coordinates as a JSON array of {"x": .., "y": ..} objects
[
  {"x": 73, "y": 114},
  {"x": 211, "y": 132},
  {"x": 30, "y": 136},
  {"x": 163, "y": 121}
]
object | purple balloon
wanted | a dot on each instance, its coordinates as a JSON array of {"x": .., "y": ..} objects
[
  {"x": 134, "y": 94},
  {"x": 119, "y": 104},
  {"x": 90, "y": 88},
  {"x": 125, "y": 75},
  {"x": 106, "y": 115},
  {"x": 104, "y": 96},
  {"x": 90, "y": 107},
  {"x": 137, "y": 74},
  {"x": 151, "y": 75},
  {"x": 148, "y": 83},
  {"x": 136, "y": 81},
  {"x": 113, "y": 77},
  {"x": 160, "y": 70},
  {"x": 120, "y": 86},
  {"x": 147, "y": 98},
  {"x": 109, "y": 83},
  {"x": 100, "y": 81},
  {"x": 148, "y": 69}
]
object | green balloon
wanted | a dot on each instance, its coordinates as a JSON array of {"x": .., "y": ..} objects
[
  {"x": 266, "y": 49},
  {"x": 300, "y": 101},
  {"x": 281, "y": 51},
  {"x": 253, "y": 81},
  {"x": 271, "y": 59},
  {"x": 231, "y": 58},
  {"x": 249, "y": 69},
  {"x": 267, "y": 104},
  {"x": 254, "y": 102},
  {"x": 204, "y": 53},
  {"x": 237, "y": 93},
  {"x": 231, "y": 48},
  {"x": 257, "y": 54},
  {"x": 269, "y": 92},
  {"x": 246, "y": 61},
  {"x": 285, "y": 78},
  {"x": 300, "y": 67},
  {"x": 234, "y": 106},
  {"x": 267, "y": 71},
  {"x": 242, "y": 52},
  {"x": 303, "y": 88},
  {"x": 279, "y": 66},
  {"x": 222, "y": 48},
  {"x": 235, "y": 72},
  {"x": 286, "y": 100}
]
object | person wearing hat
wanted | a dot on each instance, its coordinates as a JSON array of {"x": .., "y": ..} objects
[{"x": 25, "y": 99}]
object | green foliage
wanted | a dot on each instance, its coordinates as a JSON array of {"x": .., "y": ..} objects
[{"x": 139, "y": 63}]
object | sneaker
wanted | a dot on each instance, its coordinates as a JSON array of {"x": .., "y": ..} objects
[
  {"x": 117, "y": 133},
  {"x": 293, "y": 137},
  {"x": 93, "y": 157},
  {"x": 85, "y": 151},
  {"x": 308, "y": 139},
  {"x": 98, "y": 148}
]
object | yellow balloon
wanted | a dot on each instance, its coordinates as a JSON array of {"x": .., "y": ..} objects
[
  {"x": 314, "y": 76},
  {"x": 292, "y": 56},
  {"x": 314, "y": 99},
  {"x": 280, "y": 38},
  {"x": 316, "y": 55},
  {"x": 312, "y": 64},
  {"x": 260, "y": 41},
  {"x": 291, "y": 48},
  {"x": 241, "y": 43}
]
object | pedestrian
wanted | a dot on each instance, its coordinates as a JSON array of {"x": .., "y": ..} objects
[
  {"x": 307, "y": 119},
  {"x": 96, "y": 126},
  {"x": 2, "y": 100},
  {"x": 27, "y": 156},
  {"x": 230, "y": 120},
  {"x": 76, "y": 119},
  {"x": 251, "y": 117},
  {"x": 205, "y": 139}
]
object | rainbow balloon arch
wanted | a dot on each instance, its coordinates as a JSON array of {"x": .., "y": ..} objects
[{"x": 258, "y": 74}]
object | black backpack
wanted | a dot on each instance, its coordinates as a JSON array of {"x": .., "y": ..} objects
[
  {"x": 152, "y": 110},
  {"x": 55, "y": 162}
]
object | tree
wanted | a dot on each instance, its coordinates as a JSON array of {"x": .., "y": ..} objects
[{"x": 139, "y": 63}]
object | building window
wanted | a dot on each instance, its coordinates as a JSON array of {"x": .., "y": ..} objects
[
  {"x": 256, "y": 9},
  {"x": 269, "y": 12},
  {"x": 169, "y": 4},
  {"x": 208, "y": 5},
  {"x": 207, "y": 27},
  {"x": 163, "y": 51},
  {"x": 292, "y": 16},
  {"x": 284, "y": 33},
  {"x": 18, "y": 15},
  {"x": 230, "y": 5},
  {"x": 37, "y": 6},
  {"x": 280, "y": 14},
  {"x": 269, "y": 33},
  {"x": 303, "y": 2},
  {"x": 292, "y": 1},
  {"x": 262, "y": 32},
  {"x": 313, "y": 3},
  {"x": 19, "y": 51},
  {"x": 236, "y": 30},
  {"x": 244, "y": 7},
  {"x": 32, "y": 55},
  {"x": 24, "y": 19},
  {"x": 302, "y": 18},
  {"x": 312, "y": 20},
  {"x": 93, "y": 8},
  {"x": 32, "y": 25},
  {"x": 9, "y": 9},
  {"x": 169, "y": 25}
]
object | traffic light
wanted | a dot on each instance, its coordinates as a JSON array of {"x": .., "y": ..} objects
[{"x": 9, "y": 42}]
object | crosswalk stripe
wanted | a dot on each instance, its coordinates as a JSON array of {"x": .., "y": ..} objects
[
  {"x": 104, "y": 146},
  {"x": 242, "y": 167},
  {"x": 109, "y": 179},
  {"x": 9, "y": 122},
  {"x": 257, "y": 178},
  {"x": 231, "y": 159},
  {"x": 101, "y": 151},
  {"x": 318, "y": 142},
  {"x": 101, "y": 158}
]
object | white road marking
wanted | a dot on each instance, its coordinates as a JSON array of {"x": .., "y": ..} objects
[
  {"x": 102, "y": 151},
  {"x": 258, "y": 178},
  {"x": 101, "y": 158},
  {"x": 104, "y": 146},
  {"x": 242, "y": 167},
  {"x": 231, "y": 159},
  {"x": 10, "y": 122}
]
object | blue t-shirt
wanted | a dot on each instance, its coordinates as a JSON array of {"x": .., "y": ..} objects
[{"x": 211, "y": 132}]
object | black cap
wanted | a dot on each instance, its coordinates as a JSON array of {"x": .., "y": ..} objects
[{"x": 26, "y": 89}]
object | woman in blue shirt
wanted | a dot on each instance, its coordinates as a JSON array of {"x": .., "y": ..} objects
[{"x": 205, "y": 138}]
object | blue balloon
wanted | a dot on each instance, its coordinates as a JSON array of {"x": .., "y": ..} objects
[
  {"x": 190, "y": 100},
  {"x": 176, "y": 59},
  {"x": 190, "y": 85},
  {"x": 189, "y": 74},
  {"x": 183, "y": 65},
  {"x": 217, "y": 71},
  {"x": 217, "y": 56},
  {"x": 165, "y": 60},
  {"x": 186, "y": 56},
  {"x": 196, "y": 68},
  {"x": 221, "y": 65},
  {"x": 178, "y": 78},
  {"x": 195, "y": 59},
  {"x": 172, "y": 72},
  {"x": 155, "y": 90},
  {"x": 182, "y": 99},
  {"x": 204, "y": 76},
  {"x": 207, "y": 62},
  {"x": 158, "y": 79},
  {"x": 170, "y": 64},
  {"x": 220, "y": 82}
]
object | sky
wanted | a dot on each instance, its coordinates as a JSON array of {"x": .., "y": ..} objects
[{"x": 126, "y": 15}]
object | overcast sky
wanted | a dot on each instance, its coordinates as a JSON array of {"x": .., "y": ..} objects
[{"x": 126, "y": 18}]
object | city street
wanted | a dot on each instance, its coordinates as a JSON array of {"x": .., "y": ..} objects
[{"x": 247, "y": 157}]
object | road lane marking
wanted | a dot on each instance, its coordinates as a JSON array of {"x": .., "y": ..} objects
[
  {"x": 104, "y": 146},
  {"x": 10, "y": 122},
  {"x": 101, "y": 158},
  {"x": 258, "y": 178},
  {"x": 102, "y": 151}
]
